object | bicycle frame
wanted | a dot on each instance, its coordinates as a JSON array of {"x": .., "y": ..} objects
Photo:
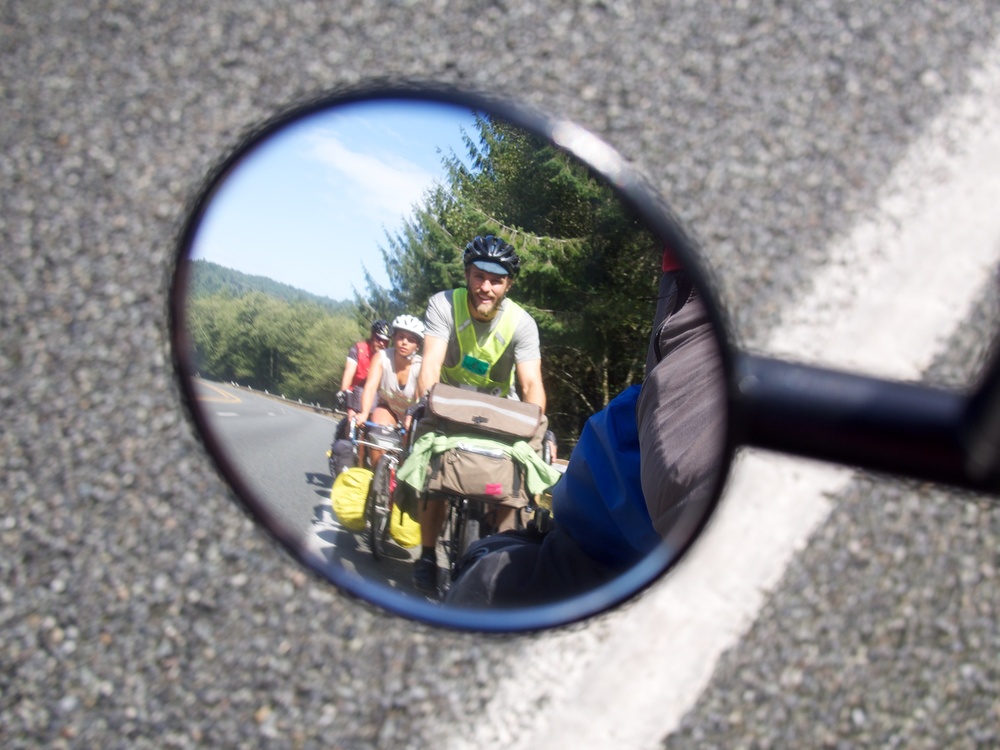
[{"x": 377, "y": 512}]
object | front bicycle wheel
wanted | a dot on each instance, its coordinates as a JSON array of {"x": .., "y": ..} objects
[
  {"x": 455, "y": 525},
  {"x": 470, "y": 534},
  {"x": 379, "y": 509}
]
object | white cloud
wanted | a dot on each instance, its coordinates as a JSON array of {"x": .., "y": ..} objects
[{"x": 383, "y": 185}]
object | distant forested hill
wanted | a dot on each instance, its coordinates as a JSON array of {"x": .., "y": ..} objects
[
  {"x": 210, "y": 278},
  {"x": 271, "y": 336}
]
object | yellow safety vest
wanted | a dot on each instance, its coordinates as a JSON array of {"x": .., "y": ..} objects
[{"x": 475, "y": 360}]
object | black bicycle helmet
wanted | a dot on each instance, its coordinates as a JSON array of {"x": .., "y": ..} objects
[
  {"x": 380, "y": 330},
  {"x": 493, "y": 255}
]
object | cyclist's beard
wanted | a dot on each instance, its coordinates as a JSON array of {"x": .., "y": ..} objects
[{"x": 488, "y": 309}]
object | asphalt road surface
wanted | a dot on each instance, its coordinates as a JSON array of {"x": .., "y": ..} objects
[
  {"x": 278, "y": 449},
  {"x": 140, "y": 608}
]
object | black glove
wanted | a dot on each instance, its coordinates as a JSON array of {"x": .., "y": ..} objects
[{"x": 417, "y": 410}]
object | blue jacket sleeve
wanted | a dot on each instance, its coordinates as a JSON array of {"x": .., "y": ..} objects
[{"x": 599, "y": 500}]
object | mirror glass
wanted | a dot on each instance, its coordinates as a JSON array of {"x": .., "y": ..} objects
[{"x": 360, "y": 208}]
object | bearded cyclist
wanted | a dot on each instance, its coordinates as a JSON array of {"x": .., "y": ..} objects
[{"x": 478, "y": 338}]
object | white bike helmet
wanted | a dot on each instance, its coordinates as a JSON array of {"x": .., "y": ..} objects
[{"x": 409, "y": 323}]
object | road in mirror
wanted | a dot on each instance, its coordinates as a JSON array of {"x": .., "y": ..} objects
[{"x": 362, "y": 213}]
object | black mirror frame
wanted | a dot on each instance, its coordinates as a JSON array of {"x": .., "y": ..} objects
[
  {"x": 904, "y": 429},
  {"x": 634, "y": 191}
]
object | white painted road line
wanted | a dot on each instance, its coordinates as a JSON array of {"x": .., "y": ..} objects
[{"x": 895, "y": 288}]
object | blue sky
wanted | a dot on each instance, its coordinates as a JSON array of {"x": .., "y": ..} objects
[{"x": 311, "y": 206}]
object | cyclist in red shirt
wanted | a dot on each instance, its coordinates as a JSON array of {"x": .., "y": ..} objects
[{"x": 359, "y": 358}]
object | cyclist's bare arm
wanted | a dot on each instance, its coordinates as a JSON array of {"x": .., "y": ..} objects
[
  {"x": 371, "y": 389},
  {"x": 529, "y": 376},
  {"x": 433, "y": 359},
  {"x": 350, "y": 368}
]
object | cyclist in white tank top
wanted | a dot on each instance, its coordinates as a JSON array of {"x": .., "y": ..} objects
[
  {"x": 397, "y": 389},
  {"x": 392, "y": 380}
]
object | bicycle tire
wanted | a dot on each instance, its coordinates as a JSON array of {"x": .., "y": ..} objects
[
  {"x": 379, "y": 509},
  {"x": 470, "y": 534},
  {"x": 457, "y": 517}
]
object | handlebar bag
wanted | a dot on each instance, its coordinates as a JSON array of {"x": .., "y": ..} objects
[
  {"x": 383, "y": 436},
  {"x": 470, "y": 411}
]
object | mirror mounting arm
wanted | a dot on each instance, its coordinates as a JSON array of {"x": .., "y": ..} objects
[
  {"x": 984, "y": 422},
  {"x": 879, "y": 425}
]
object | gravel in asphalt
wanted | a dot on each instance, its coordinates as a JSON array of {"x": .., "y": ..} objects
[{"x": 139, "y": 609}]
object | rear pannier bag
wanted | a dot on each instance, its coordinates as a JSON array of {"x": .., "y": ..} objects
[
  {"x": 349, "y": 497},
  {"x": 404, "y": 528},
  {"x": 342, "y": 452}
]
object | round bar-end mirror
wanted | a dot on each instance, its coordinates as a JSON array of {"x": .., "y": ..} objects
[{"x": 381, "y": 292}]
